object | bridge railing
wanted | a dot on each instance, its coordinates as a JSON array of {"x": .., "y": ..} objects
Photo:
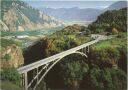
[
  {"x": 54, "y": 57},
  {"x": 52, "y": 60},
  {"x": 60, "y": 55}
]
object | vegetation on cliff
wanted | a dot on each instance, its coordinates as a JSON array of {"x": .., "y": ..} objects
[
  {"x": 11, "y": 58},
  {"x": 11, "y": 54},
  {"x": 17, "y": 15},
  {"x": 105, "y": 67},
  {"x": 55, "y": 43},
  {"x": 110, "y": 19}
]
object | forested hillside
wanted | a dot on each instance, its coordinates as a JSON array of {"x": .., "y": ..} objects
[
  {"x": 18, "y": 15},
  {"x": 60, "y": 41},
  {"x": 106, "y": 22},
  {"x": 104, "y": 69}
]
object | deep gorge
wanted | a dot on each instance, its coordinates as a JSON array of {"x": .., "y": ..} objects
[{"x": 99, "y": 61}]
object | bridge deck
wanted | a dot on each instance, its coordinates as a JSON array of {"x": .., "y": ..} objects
[
  {"x": 60, "y": 55},
  {"x": 54, "y": 57}
]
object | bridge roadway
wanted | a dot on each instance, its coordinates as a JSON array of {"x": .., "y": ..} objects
[{"x": 34, "y": 65}]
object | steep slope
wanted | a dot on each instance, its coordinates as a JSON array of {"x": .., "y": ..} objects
[
  {"x": 11, "y": 54},
  {"x": 110, "y": 20},
  {"x": 18, "y": 15}
]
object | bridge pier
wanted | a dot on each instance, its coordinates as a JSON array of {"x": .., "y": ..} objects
[
  {"x": 37, "y": 74},
  {"x": 37, "y": 71},
  {"x": 88, "y": 49},
  {"x": 26, "y": 81},
  {"x": 43, "y": 66}
]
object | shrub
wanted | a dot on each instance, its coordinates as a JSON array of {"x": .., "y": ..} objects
[
  {"x": 122, "y": 62},
  {"x": 10, "y": 74},
  {"x": 121, "y": 35},
  {"x": 6, "y": 57},
  {"x": 8, "y": 42},
  {"x": 106, "y": 57}
]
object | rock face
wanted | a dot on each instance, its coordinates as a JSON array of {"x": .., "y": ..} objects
[
  {"x": 17, "y": 15},
  {"x": 11, "y": 56}
]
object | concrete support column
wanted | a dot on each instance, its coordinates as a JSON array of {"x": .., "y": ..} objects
[
  {"x": 88, "y": 49},
  {"x": 84, "y": 50},
  {"x": 37, "y": 75},
  {"x": 26, "y": 81}
]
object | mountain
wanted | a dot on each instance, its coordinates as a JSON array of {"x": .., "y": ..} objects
[
  {"x": 112, "y": 18},
  {"x": 73, "y": 14},
  {"x": 109, "y": 21},
  {"x": 17, "y": 15},
  {"x": 77, "y": 14},
  {"x": 117, "y": 5}
]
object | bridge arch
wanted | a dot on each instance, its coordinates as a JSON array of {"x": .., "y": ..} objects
[
  {"x": 46, "y": 64},
  {"x": 55, "y": 62}
]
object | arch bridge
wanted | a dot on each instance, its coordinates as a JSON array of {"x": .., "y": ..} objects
[{"x": 42, "y": 67}]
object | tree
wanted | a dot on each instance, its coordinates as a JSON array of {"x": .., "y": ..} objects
[
  {"x": 73, "y": 71},
  {"x": 105, "y": 79},
  {"x": 11, "y": 74},
  {"x": 113, "y": 18}
]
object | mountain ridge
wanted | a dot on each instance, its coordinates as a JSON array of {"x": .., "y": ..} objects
[
  {"x": 78, "y": 14},
  {"x": 117, "y": 5},
  {"x": 73, "y": 14},
  {"x": 19, "y": 16}
]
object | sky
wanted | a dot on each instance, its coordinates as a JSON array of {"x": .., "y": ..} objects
[{"x": 99, "y": 4}]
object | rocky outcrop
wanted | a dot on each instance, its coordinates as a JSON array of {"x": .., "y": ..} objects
[
  {"x": 11, "y": 56},
  {"x": 19, "y": 16}
]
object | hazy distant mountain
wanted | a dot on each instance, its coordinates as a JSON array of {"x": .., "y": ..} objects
[
  {"x": 118, "y": 5},
  {"x": 17, "y": 15},
  {"x": 77, "y": 14},
  {"x": 73, "y": 14}
]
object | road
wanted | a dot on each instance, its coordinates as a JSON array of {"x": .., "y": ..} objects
[{"x": 34, "y": 65}]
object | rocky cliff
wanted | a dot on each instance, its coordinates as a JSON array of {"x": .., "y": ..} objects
[
  {"x": 19, "y": 16},
  {"x": 11, "y": 55}
]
